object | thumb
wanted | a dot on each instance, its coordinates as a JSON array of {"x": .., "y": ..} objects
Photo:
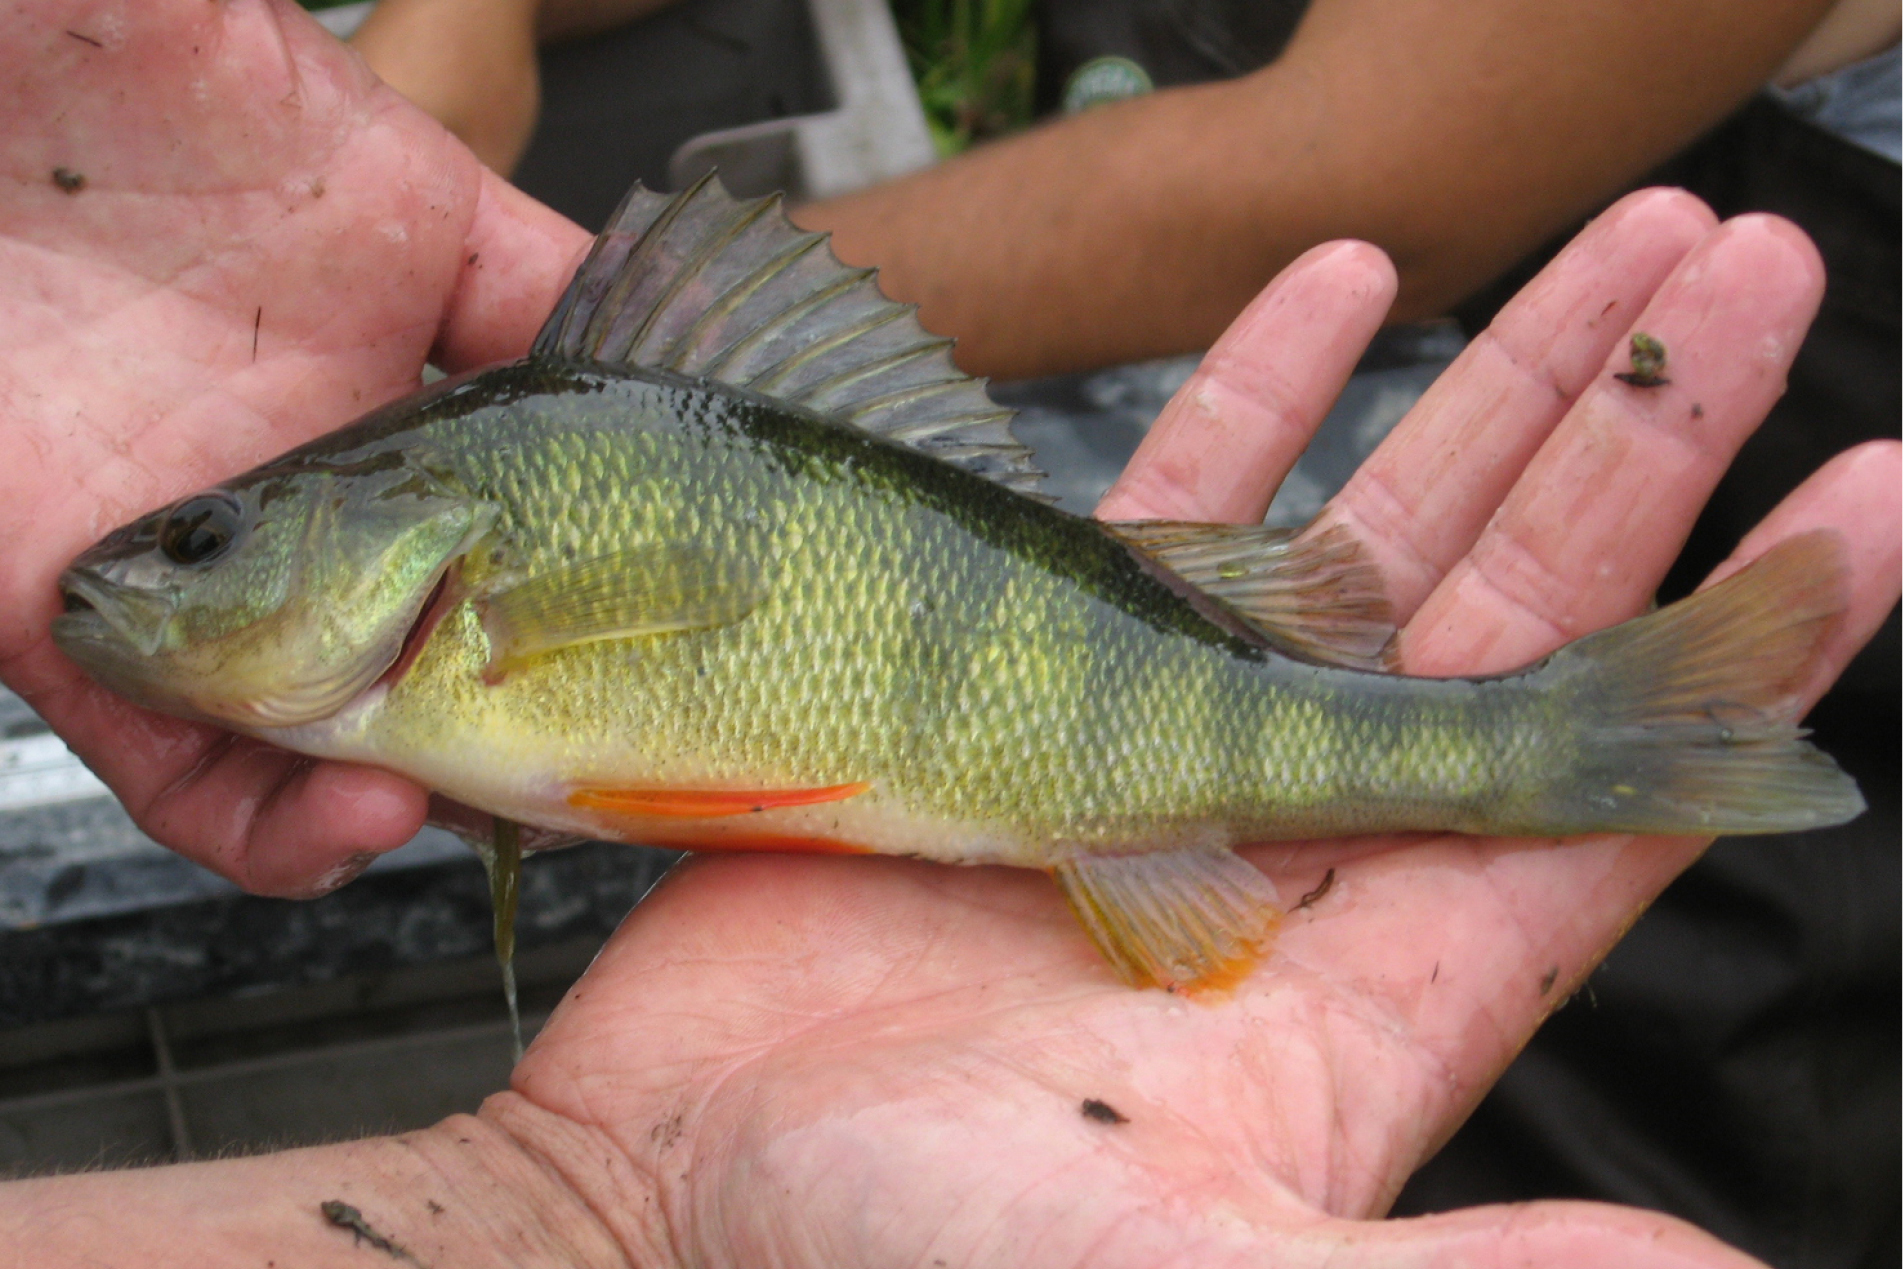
[{"x": 1551, "y": 1235}]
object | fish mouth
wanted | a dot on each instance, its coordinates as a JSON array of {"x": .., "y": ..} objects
[
  {"x": 97, "y": 615},
  {"x": 79, "y": 594},
  {"x": 115, "y": 638}
]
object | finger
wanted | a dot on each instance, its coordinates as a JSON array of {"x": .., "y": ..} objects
[
  {"x": 1853, "y": 494},
  {"x": 1555, "y": 1235},
  {"x": 1602, "y": 510},
  {"x": 1232, "y": 432},
  {"x": 1422, "y": 498},
  {"x": 271, "y": 821},
  {"x": 281, "y": 824},
  {"x": 517, "y": 259}
]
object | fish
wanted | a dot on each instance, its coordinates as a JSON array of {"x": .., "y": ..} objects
[{"x": 736, "y": 559}]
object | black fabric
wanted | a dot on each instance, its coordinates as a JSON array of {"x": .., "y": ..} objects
[
  {"x": 1735, "y": 1061},
  {"x": 616, "y": 106}
]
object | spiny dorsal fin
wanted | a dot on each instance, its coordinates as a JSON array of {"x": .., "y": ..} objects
[
  {"x": 1316, "y": 596},
  {"x": 704, "y": 284},
  {"x": 1173, "y": 919}
]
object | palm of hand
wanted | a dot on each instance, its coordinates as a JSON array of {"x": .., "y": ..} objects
[
  {"x": 848, "y": 1062},
  {"x": 244, "y": 247}
]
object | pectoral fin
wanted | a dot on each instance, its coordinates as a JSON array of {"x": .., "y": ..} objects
[
  {"x": 1182, "y": 920},
  {"x": 642, "y": 591}
]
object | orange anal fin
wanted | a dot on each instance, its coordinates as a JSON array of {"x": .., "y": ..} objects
[
  {"x": 701, "y": 804},
  {"x": 1193, "y": 921}
]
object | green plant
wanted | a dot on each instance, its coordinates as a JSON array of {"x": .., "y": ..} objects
[{"x": 974, "y": 62}]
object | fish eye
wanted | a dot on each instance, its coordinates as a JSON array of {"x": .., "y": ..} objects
[{"x": 201, "y": 529}]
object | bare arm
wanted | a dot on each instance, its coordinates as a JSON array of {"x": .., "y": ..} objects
[
  {"x": 1852, "y": 31},
  {"x": 1455, "y": 138},
  {"x": 464, "y": 1193}
]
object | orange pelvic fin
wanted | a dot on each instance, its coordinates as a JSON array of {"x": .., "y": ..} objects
[
  {"x": 1181, "y": 920},
  {"x": 701, "y": 804}
]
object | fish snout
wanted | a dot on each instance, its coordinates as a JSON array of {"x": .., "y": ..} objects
[{"x": 98, "y": 614}]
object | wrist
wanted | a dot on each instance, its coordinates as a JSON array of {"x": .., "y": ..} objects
[
  {"x": 521, "y": 1203},
  {"x": 464, "y": 1193},
  {"x": 598, "y": 1181}
]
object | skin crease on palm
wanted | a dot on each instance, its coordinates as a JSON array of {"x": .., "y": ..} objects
[{"x": 845, "y": 1062}]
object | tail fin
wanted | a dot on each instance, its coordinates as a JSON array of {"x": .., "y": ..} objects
[{"x": 1691, "y": 712}]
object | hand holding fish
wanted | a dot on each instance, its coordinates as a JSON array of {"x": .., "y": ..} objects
[
  {"x": 835, "y": 1062},
  {"x": 263, "y": 242}
]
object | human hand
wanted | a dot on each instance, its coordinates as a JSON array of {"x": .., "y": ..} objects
[
  {"x": 859, "y": 1061},
  {"x": 255, "y": 242}
]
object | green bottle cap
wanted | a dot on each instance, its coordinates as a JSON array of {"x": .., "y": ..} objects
[{"x": 1102, "y": 80}]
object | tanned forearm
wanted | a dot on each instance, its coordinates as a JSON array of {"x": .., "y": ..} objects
[
  {"x": 1455, "y": 137},
  {"x": 470, "y": 63},
  {"x": 461, "y": 1195}
]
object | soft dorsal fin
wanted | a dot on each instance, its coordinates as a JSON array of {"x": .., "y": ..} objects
[
  {"x": 704, "y": 284},
  {"x": 1316, "y": 596}
]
